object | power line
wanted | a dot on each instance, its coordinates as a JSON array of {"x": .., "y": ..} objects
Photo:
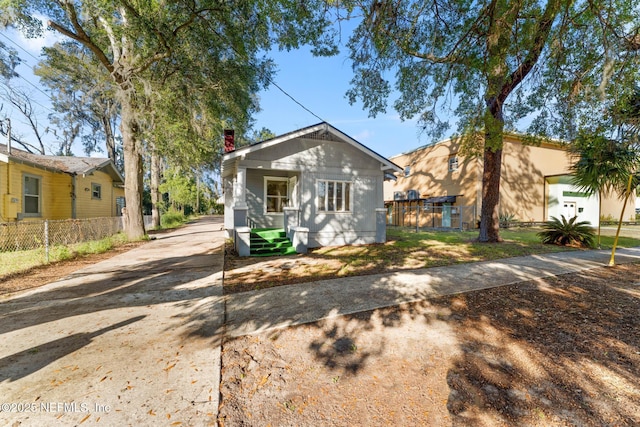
[
  {"x": 39, "y": 90},
  {"x": 293, "y": 99},
  {"x": 19, "y": 47},
  {"x": 259, "y": 69},
  {"x": 26, "y": 80}
]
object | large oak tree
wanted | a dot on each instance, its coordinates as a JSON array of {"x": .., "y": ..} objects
[
  {"x": 491, "y": 63},
  {"x": 142, "y": 42}
]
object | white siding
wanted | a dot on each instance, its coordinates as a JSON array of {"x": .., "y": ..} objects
[{"x": 311, "y": 160}]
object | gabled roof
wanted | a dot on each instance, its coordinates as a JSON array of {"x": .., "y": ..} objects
[
  {"x": 64, "y": 164},
  {"x": 322, "y": 131}
]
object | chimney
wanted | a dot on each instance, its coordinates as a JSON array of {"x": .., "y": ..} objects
[{"x": 229, "y": 144}]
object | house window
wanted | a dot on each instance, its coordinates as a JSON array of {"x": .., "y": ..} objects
[
  {"x": 276, "y": 192},
  {"x": 334, "y": 196},
  {"x": 31, "y": 195},
  {"x": 407, "y": 171},
  {"x": 453, "y": 163},
  {"x": 120, "y": 204},
  {"x": 96, "y": 191}
]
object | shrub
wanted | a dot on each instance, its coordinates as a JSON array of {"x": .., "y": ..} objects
[
  {"x": 506, "y": 219},
  {"x": 172, "y": 219},
  {"x": 563, "y": 232}
]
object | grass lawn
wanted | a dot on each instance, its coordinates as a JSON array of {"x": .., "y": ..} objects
[
  {"x": 408, "y": 249},
  {"x": 19, "y": 261},
  {"x": 404, "y": 249}
]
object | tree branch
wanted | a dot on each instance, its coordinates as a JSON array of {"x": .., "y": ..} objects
[
  {"x": 80, "y": 35},
  {"x": 542, "y": 33}
]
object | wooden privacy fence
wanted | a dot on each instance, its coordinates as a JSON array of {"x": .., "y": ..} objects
[{"x": 26, "y": 235}]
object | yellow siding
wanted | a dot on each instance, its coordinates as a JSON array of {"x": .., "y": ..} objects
[
  {"x": 56, "y": 190},
  {"x": 3, "y": 191},
  {"x": 90, "y": 207}
]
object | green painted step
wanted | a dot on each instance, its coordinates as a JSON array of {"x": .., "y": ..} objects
[{"x": 270, "y": 242}]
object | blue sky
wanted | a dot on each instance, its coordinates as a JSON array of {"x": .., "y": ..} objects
[{"x": 318, "y": 83}]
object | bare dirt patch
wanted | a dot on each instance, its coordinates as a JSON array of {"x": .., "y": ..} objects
[
  {"x": 559, "y": 351},
  {"x": 41, "y": 275}
]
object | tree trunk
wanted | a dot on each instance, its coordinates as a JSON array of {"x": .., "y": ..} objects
[
  {"x": 111, "y": 141},
  {"x": 155, "y": 189},
  {"x": 133, "y": 170},
  {"x": 489, "y": 216}
]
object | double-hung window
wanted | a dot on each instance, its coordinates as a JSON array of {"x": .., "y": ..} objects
[
  {"x": 453, "y": 163},
  {"x": 31, "y": 195},
  {"x": 276, "y": 192},
  {"x": 96, "y": 191},
  {"x": 334, "y": 196}
]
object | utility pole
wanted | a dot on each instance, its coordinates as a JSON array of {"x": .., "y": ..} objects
[{"x": 8, "y": 120}]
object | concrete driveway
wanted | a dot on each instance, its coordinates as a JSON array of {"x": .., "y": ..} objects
[{"x": 133, "y": 340}]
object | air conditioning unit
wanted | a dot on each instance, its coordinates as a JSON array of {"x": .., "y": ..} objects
[
  {"x": 413, "y": 195},
  {"x": 399, "y": 195}
]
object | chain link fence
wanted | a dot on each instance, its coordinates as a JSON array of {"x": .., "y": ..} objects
[
  {"x": 427, "y": 216},
  {"x": 26, "y": 235}
]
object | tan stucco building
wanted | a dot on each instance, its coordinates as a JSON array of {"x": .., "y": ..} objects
[{"x": 535, "y": 185}]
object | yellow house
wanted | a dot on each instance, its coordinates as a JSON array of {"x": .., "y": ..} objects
[
  {"x": 444, "y": 188},
  {"x": 37, "y": 187}
]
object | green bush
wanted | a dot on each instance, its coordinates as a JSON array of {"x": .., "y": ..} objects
[
  {"x": 563, "y": 232},
  {"x": 506, "y": 219},
  {"x": 607, "y": 218},
  {"x": 172, "y": 219}
]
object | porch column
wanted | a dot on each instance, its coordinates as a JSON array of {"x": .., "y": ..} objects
[
  {"x": 291, "y": 216},
  {"x": 240, "y": 188},
  {"x": 381, "y": 225},
  {"x": 240, "y": 208}
]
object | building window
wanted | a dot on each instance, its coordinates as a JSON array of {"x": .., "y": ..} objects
[
  {"x": 276, "y": 192},
  {"x": 334, "y": 196},
  {"x": 96, "y": 191},
  {"x": 407, "y": 171},
  {"x": 453, "y": 163},
  {"x": 31, "y": 195},
  {"x": 120, "y": 204}
]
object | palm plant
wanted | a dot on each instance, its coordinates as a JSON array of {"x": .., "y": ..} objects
[
  {"x": 603, "y": 165},
  {"x": 563, "y": 232},
  {"x": 627, "y": 116}
]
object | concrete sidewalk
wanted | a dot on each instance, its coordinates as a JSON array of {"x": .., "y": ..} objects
[
  {"x": 132, "y": 340},
  {"x": 273, "y": 308}
]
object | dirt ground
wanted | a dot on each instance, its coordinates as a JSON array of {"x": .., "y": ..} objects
[{"x": 560, "y": 351}]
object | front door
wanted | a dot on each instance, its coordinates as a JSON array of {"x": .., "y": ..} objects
[
  {"x": 569, "y": 210},
  {"x": 446, "y": 215}
]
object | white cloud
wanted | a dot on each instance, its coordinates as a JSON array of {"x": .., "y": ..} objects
[
  {"x": 34, "y": 45},
  {"x": 363, "y": 135}
]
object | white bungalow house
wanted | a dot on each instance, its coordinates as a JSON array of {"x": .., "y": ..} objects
[{"x": 319, "y": 186}]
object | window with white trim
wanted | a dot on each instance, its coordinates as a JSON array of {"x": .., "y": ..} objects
[
  {"x": 407, "y": 171},
  {"x": 334, "y": 196},
  {"x": 276, "y": 194},
  {"x": 96, "y": 191},
  {"x": 31, "y": 192},
  {"x": 453, "y": 163}
]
